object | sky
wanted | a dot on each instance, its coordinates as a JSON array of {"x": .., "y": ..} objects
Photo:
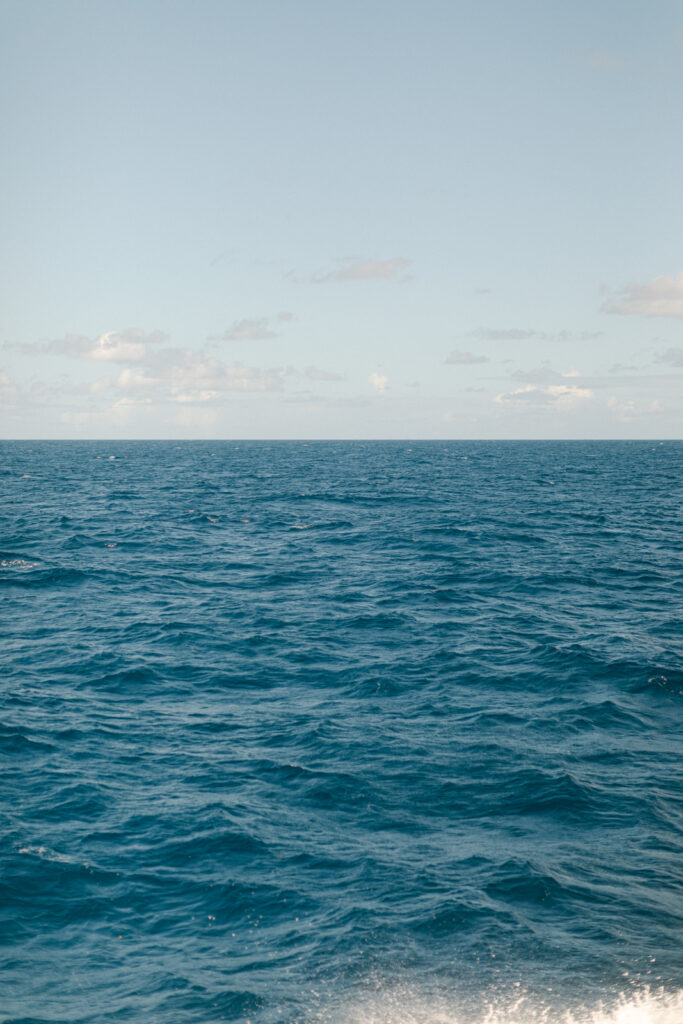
[{"x": 324, "y": 219}]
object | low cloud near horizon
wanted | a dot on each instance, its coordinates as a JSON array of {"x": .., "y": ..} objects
[{"x": 562, "y": 396}]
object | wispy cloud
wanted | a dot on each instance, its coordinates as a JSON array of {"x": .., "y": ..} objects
[
  {"x": 250, "y": 329},
  {"x": 315, "y": 373},
  {"x": 458, "y": 358},
  {"x": 624, "y": 367},
  {"x": 661, "y": 297},
  {"x": 502, "y": 334},
  {"x": 543, "y": 375},
  {"x": 524, "y": 334},
  {"x": 366, "y": 270},
  {"x": 672, "y": 356}
]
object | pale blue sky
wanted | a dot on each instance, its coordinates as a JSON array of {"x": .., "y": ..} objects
[{"x": 231, "y": 219}]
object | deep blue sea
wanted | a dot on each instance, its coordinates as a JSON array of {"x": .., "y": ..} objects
[{"x": 341, "y": 732}]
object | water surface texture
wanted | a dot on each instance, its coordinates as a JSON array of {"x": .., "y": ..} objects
[{"x": 353, "y": 733}]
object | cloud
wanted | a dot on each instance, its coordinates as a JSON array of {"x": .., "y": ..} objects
[
  {"x": 628, "y": 409},
  {"x": 522, "y": 334},
  {"x": 255, "y": 329},
  {"x": 115, "y": 347},
  {"x": 624, "y": 367},
  {"x": 672, "y": 356},
  {"x": 458, "y": 358},
  {"x": 314, "y": 373},
  {"x": 7, "y": 385},
  {"x": 501, "y": 334},
  {"x": 185, "y": 375},
  {"x": 543, "y": 375},
  {"x": 560, "y": 396},
  {"x": 127, "y": 346},
  {"x": 367, "y": 270},
  {"x": 661, "y": 297},
  {"x": 379, "y": 382}
]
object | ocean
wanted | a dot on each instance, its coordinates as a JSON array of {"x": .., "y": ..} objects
[{"x": 341, "y": 732}]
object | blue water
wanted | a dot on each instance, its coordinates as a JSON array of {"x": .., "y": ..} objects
[{"x": 341, "y": 732}]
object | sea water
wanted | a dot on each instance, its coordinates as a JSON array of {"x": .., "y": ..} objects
[{"x": 341, "y": 733}]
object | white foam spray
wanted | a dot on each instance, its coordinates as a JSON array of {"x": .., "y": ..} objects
[{"x": 648, "y": 1006}]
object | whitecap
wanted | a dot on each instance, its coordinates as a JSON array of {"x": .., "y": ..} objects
[
  {"x": 45, "y": 854},
  {"x": 392, "y": 1007}
]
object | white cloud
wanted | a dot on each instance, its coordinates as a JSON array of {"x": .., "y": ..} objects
[
  {"x": 185, "y": 375},
  {"x": 129, "y": 346},
  {"x": 567, "y": 396},
  {"x": 560, "y": 396},
  {"x": 629, "y": 409},
  {"x": 117, "y": 348},
  {"x": 459, "y": 358},
  {"x": 661, "y": 297},
  {"x": 379, "y": 382}
]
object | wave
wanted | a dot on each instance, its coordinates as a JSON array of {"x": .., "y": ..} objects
[{"x": 404, "y": 1006}]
